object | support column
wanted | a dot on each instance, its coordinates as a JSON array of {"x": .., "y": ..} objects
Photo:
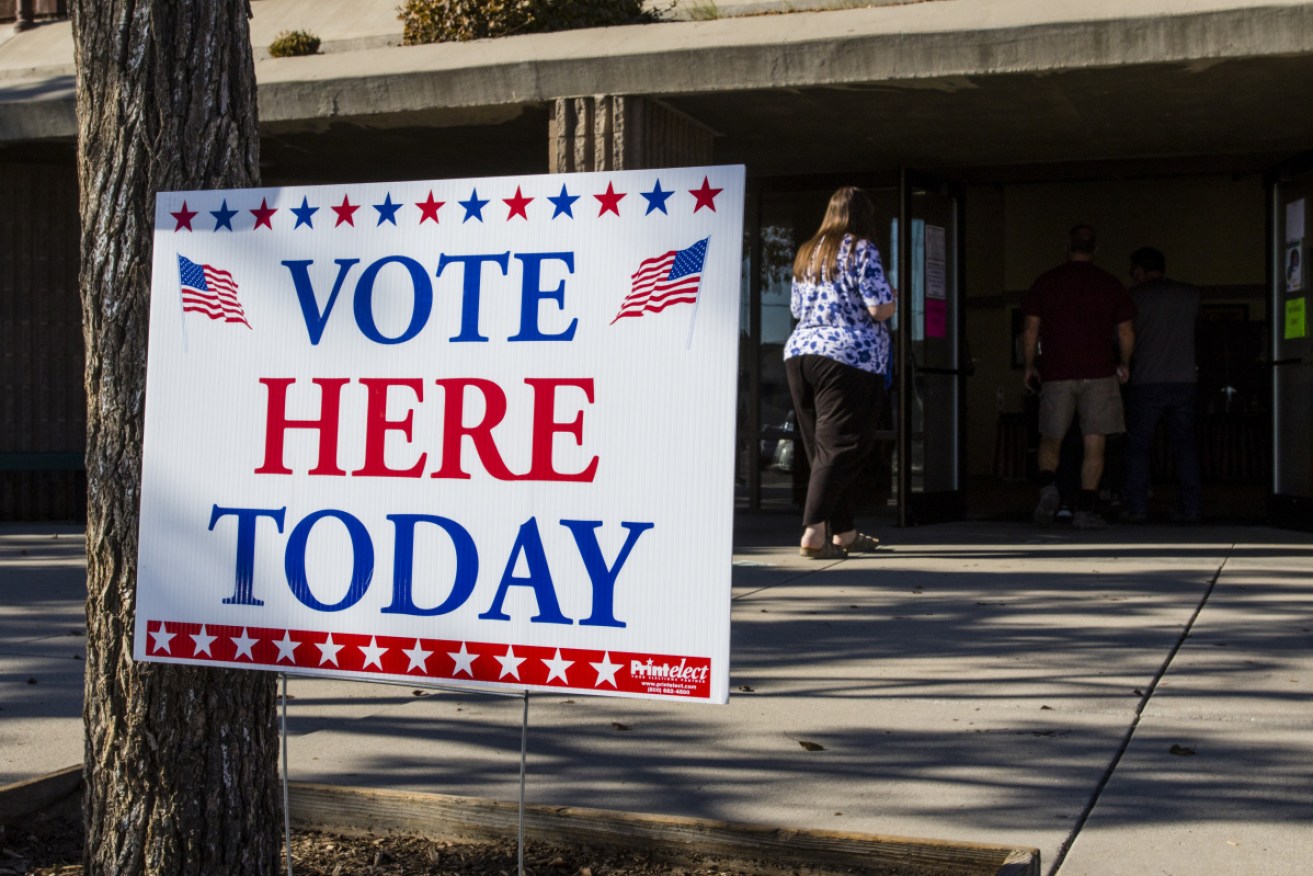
[
  {"x": 22, "y": 15},
  {"x": 612, "y": 132}
]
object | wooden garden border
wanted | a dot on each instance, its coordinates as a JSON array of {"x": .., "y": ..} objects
[{"x": 346, "y": 810}]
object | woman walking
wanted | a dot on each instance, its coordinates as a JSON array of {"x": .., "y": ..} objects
[{"x": 836, "y": 361}]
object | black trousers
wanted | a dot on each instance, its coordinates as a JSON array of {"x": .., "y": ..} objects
[{"x": 837, "y": 408}]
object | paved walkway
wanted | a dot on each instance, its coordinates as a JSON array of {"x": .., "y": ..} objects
[{"x": 1133, "y": 701}]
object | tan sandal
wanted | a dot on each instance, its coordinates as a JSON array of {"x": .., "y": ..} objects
[
  {"x": 827, "y": 551},
  {"x": 862, "y": 544}
]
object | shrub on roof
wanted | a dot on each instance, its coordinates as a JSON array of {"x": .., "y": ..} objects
[
  {"x": 572, "y": 14},
  {"x": 293, "y": 43},
  {"x": 439, "y": 21}
]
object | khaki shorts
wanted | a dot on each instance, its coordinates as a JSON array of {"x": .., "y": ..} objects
[{"x": 1099, "y": 403}]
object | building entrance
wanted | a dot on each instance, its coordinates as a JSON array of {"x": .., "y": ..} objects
[
  {"x": 955, "y": 446},
  {"x": 915, "y": 473},
  {"x": 1212, "y": 229}
]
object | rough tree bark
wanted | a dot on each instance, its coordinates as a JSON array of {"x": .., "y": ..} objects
[{"x": 181, "y": 762}]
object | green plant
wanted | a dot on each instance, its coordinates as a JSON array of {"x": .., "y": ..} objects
[
  {"x": 294, "y": 43},
  {"x": 701, "y": 10},
  {"x": 437, "y": 21}
]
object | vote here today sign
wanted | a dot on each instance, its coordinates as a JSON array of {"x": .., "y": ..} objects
[{"x": 473, "y": 432}]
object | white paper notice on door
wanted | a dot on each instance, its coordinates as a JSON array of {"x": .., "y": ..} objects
[
  {"x": 935, "y": 285},
  {"x": 1294, "y": 220}
]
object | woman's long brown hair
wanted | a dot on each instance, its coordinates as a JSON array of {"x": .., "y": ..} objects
[{"x": 850, "y": 212}]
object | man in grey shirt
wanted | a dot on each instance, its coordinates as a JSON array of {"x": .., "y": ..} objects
[{"x": 1162, "y": 385}]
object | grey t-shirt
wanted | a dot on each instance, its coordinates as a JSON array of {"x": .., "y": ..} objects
[{"x": 1165, "y": 318}]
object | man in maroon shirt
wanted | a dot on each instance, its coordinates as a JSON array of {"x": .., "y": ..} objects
[{"x": 1081, "y": 317}]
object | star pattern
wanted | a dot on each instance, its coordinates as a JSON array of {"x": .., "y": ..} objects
[
  {"x": 419, "y": 658},
  {"x": 162, "y": 638},
  {"x": 563, "y": 203},
  {"x": 328, "y": 651},
  {"x": 304, "y": 214},
  {"x": 474, "y": 206},
  {"x": 705, "y": 196},
  {"x": 557, "y": 666},
  {"x": 521, "y": 665},
  {"x": 286, "y": 648},
  {"x": 656, "y": 199},
  {"x": 658, "y": 202},
  {"x": 519, "y": 205},
  {"x": 223, "y": 217},
  {"x": 606, "y": 671},
  {"x": 464, "y": 661},
  {"x": 387, "y": 211},
  {"x": 201, "y": 642},
  {"x": 183, "y": 218},
  {"x": 428, "y": 209},
  {"x": 510, "y": 664},
  {"x": 373, "y": 653},
  {"x": 346, "y": 212},
  {"x": 264, "y": 214},
  {"x": 609, "y": 200},
  {"x": 244, "y": 643}
]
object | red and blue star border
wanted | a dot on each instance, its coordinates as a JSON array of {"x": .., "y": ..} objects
[
  {"x": 518, "y": 206},
  {"x": 431, "y": 659}
]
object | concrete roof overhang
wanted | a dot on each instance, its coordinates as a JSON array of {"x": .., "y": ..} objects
[{"x": 1010, "y": 90}]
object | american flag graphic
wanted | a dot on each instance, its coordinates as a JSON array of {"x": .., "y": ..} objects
[
  {"x": 211, "y": 291},
  {"x": 664, "y": 280}
]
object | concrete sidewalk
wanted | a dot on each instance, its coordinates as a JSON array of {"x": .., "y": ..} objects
[{"x": 1130, "y": 701}]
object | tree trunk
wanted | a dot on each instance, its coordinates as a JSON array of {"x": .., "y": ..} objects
[{"x": 181, "y": 762}]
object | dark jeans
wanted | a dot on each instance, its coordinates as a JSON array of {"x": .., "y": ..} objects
[
  {"x": 837, "y": 408},
  {"x": 1174, "y": 403}
]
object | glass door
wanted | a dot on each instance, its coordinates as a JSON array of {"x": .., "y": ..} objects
[
  {"x": 773, "y": 474},
  {"x": 929, "y": 389},
  {"x": 1292, "y": 346}
]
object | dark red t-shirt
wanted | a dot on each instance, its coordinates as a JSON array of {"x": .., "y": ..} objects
[{"x": 1079, "y": 306}]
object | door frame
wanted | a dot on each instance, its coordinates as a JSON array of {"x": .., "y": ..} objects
[
  {"x": 920, "y": 508},
  {"x": 913, "y": 508},
  {"x": 1287, "y": 510}
]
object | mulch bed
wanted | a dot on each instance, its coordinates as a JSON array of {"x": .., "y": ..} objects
[{"x": 52, "y": 846}]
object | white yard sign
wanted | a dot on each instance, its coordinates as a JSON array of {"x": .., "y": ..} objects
[{"x": 471, "y": 431}]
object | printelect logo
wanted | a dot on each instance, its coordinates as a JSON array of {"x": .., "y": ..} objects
[{"x": 681, "y": 671}]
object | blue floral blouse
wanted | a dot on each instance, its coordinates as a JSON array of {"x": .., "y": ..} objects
[{"x": 832, "y": 317}]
